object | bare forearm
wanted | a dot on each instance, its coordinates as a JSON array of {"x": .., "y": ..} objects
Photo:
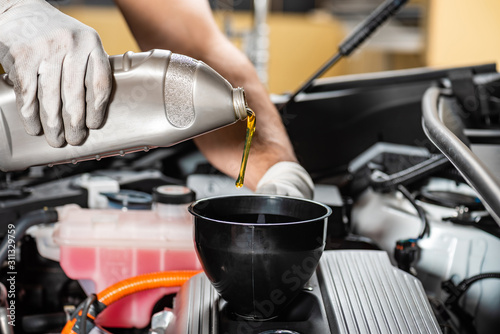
[
  {"x": 187, "y": 27},
  {"x": 271, "y": 143}
]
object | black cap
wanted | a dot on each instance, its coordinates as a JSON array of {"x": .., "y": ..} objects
[
  {"x": 131, "y": 199},
  {"x": 172, "y": 194}
]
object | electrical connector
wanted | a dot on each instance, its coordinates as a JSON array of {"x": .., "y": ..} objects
[{"x": 406, "y": 253}]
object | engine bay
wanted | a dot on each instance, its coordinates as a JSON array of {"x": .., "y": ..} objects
[{"x": 374, "y": 161}]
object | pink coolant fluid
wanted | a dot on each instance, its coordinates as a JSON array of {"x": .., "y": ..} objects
[{"x": 102, "y": 247}]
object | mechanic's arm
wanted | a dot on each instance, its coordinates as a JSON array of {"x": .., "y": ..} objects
[
  {"x": 187, "y": 27},
  {"x": 60, "y": 72}
]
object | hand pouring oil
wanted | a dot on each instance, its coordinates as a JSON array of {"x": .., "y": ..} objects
[
  {"x": 159, "y": 99},
  {"x": 246, "y": 150}
]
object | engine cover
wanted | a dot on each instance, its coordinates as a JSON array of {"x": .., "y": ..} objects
[{"x": 351, "y": 292}]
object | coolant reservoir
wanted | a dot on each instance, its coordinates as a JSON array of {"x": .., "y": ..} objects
[
  {"x": 171, "y": 202},
  {"x": 102, "y": 247}
]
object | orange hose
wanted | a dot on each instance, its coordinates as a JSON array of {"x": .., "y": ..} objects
[
  {"x": 144, "y": 282},
  {"x": 68, "y": 328},
  {"x": 132, "y": 285}
]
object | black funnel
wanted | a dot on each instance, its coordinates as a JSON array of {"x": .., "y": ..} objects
[{"x": 259, "y": 251}]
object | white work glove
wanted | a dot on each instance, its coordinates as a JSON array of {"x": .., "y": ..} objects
[
  {"x": 61, "y": 74},
  {"x": 288, "y": 179}
]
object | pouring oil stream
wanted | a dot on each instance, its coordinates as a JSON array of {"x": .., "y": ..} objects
[{"x": 248, "y": 141}]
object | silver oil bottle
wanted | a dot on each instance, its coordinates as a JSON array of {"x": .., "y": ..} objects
[{"x": 159, "y": 99}]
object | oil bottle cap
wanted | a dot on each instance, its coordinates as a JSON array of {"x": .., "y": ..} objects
[
  {"x": 173, "y": 194},
  {"x": 239, "y": 103}
]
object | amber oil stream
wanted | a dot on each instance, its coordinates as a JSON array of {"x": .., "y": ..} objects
[{"x": 248, "y": 141}]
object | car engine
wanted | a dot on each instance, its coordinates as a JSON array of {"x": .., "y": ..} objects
[{"x": 412, "y": 242}]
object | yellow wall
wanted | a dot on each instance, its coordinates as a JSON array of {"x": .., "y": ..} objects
[
  {"x": 299, "y": 43},
  {"x": 458, "y": 32},
  {"x": 110, "y": 25},
  {"x": 463, "y": 32}
]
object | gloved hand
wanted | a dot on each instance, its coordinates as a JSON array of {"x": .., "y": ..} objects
[
  {"x": 288, "y": 179},
  {"x": 60, "y": 72}
]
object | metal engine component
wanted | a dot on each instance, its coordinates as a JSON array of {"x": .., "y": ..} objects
[
  {"x": 160, "y": 321},
  {"x": 451, "y": 251},
  {"x": 5, "y": 324},
  {"x": 435, "y": 112},
  {"x": 351, "y": 292}
]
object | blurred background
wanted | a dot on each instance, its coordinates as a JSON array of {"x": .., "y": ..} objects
[{"x": 289, "y": 39}]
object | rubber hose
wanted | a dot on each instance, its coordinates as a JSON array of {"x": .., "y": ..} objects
[
  {"x": 135, "y": 284},
  {"x": 144, "y": 282},
  {"x": 43, "y": 216},
  {"x": 43, "y": 323},
  {"x": 466, "y": 283},
  {"x": 421, "y": 213},
  {"x": 411, "y": 174}
]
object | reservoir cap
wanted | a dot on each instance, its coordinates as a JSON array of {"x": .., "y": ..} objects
[{"x": 173, "y": 194}]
